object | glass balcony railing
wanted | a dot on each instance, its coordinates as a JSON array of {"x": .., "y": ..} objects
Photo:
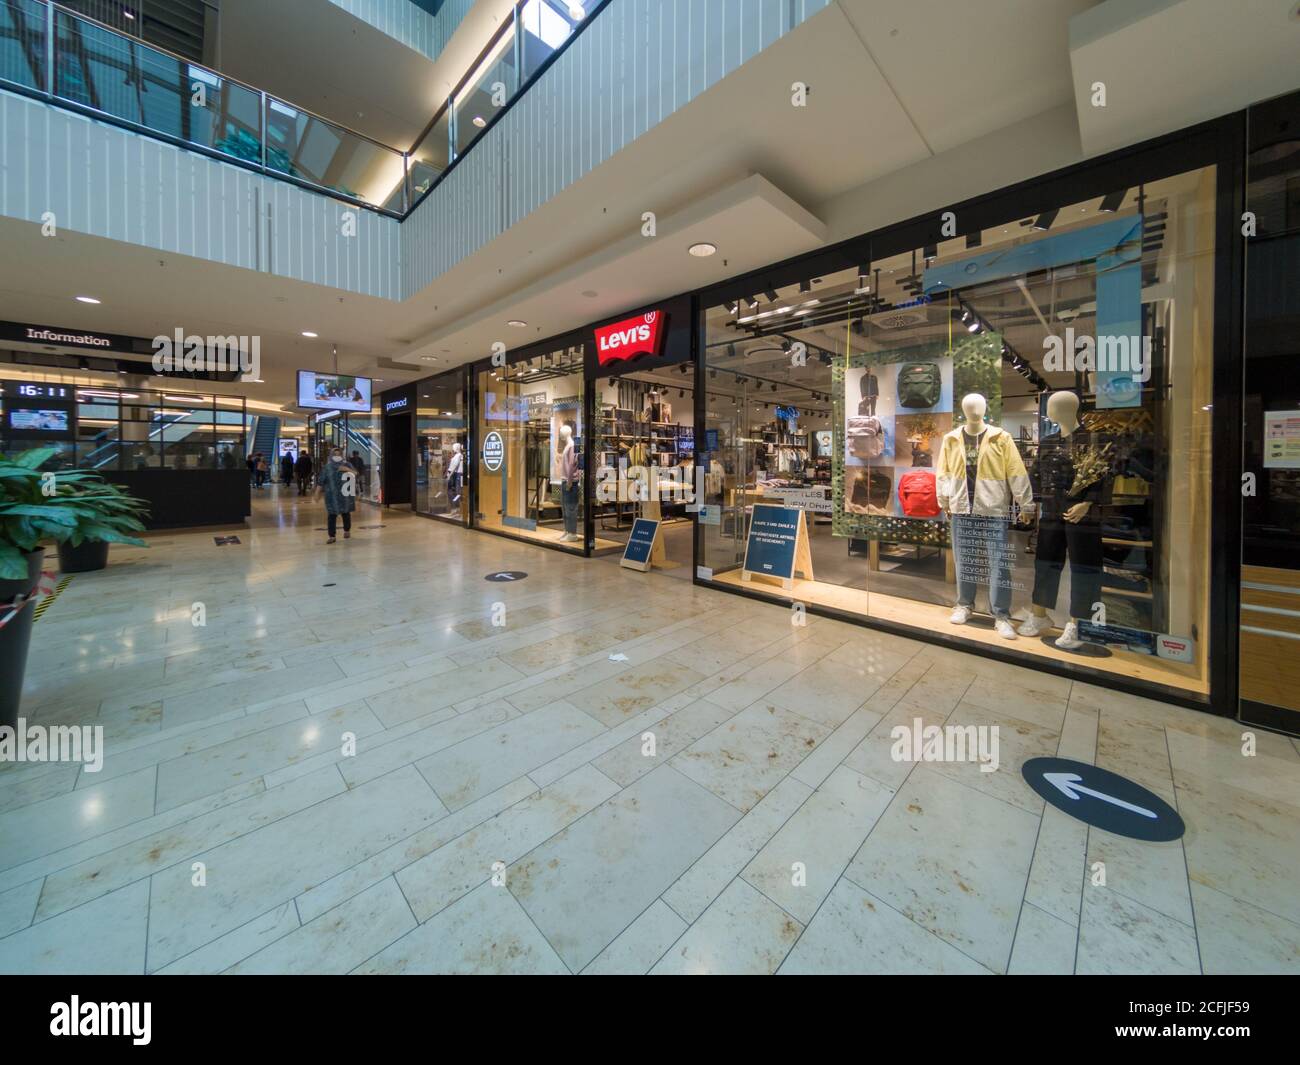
[{"x": 77, "y": 62}]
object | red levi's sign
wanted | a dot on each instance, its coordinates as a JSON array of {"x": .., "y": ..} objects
[{"x": 629, "y": 338}]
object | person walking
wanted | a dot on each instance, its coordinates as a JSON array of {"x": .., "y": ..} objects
[
  {"x": 302, "y": 468},
  {"x": 286, "y": 469},
  {"x": 252, "y": 467},
  {"x": 337, "y": 482},
  {"x": 261, "y": 469}
]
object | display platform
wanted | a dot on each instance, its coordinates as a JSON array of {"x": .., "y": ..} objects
[
  {"x": 932, "y": 619},
  {"x": 545, "y": 535}
]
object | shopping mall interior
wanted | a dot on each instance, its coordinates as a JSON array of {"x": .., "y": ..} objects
[{"x": 619, "y": 489}]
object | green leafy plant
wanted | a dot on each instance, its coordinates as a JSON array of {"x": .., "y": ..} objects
[{"x": 66, "y": 506}]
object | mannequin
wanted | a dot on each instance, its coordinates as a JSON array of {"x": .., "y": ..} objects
[
  {"x": 455, "y": 472},
  {"x": 568, "y": 483},
  {"x": 1069, "y": 526},
  {"x": 979, "y": 474}
]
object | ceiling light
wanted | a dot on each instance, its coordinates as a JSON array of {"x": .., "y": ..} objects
[
  {"x": 577, "y": 12},
  {"x": 311, "y": 336},
  {"x": 1044, "y": 221},
  {"x": 1111, "y": 202},
  {"x": 770, "y": 293},
  {"x": 517, "y": 324},
  {"x": 87, "y": 299},
  {"x": 479, "y": 121},
  {"x": 703, "y": 249},
  {"x": 805, "y": 286},
  {"x": 428, "y": 358}
]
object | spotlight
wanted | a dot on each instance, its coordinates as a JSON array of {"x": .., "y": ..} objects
[
  {"x": 1044, "y": 221},
  {"x": 930, "y": 251},
  {"x": 974, "y": 240},
  {"x": 1111, "y": 202},
  {"x": 770, "y": 293},
  {"x": 733, "y": 307},
  {"x": 805, "y": 286}
]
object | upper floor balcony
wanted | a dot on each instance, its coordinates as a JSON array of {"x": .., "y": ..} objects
[{"x": 79, "y": 63}]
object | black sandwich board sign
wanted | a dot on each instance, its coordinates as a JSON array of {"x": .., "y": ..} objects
[{"x": 1104, "y": 799}]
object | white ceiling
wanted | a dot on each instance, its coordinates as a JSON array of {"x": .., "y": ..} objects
[
  {"x": 1168, "y": 64},
  {"x": 895, "y": 83}
]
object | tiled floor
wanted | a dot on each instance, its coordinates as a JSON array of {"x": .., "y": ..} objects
[{"x": 360, "y": 764}]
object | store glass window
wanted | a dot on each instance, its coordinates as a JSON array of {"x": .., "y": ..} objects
[
  {"x": 442, "y": 449},
  {"x": 362, "y": 443},
  {"x": 530, "y": 446},
  {"x": 1004, "y": 437}
]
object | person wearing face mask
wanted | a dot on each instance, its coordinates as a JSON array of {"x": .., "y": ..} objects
[{"x": 337, "y": 482}]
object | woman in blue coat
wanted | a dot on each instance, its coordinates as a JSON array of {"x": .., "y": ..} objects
[{"x": 337, "y": 482}]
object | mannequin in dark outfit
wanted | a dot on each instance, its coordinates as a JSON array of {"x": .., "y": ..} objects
[{"x": 1069, "y": 526}]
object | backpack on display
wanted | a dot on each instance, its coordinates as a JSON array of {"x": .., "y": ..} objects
[
  {"x": 916, "y": 494},
  {"x": 866, "y": 436},
  {"x": 920, "y": 384}
]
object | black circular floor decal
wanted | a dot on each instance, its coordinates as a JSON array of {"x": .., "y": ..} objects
[
  {"x": 1104, "y": 799},
  {"x": 506, "y": 575}
]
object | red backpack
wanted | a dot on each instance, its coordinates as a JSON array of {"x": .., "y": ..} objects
[{"x": 916, "y": 494}]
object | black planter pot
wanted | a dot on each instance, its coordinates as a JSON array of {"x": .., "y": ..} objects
[
  {"x": 90, "y": 556},
  {"x": 15, "y": 639}
]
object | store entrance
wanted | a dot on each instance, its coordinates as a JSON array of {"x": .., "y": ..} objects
[{"x": 644, "y": 459}]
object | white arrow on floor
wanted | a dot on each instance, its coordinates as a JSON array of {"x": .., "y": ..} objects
[{"x": 1070, "y": 785}]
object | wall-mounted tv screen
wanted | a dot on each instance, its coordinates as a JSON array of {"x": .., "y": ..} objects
[
  {"x": 31, "y": 420},
  {"x": 330, "y": 391}
]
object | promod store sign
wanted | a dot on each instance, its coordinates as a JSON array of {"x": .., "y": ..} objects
[{"x": 631, "y": 338}]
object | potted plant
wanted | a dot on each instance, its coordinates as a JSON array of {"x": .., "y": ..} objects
[{"x": 74, "y": 507}]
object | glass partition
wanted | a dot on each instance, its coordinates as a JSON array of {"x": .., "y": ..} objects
[
  {"x": 530, "y": 440},
  {"x": 308, "y": 147},
  {"x": 1003, "y": 437},
  {"x": 442, "y": 464},
  {"x": 124, "y": 78},
  {"x": 22, "y": 43},
  {"x": 490, "y": 87},
  {"x": 431, "y": 156}
]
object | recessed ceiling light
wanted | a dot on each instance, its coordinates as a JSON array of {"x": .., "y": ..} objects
[
  {"x": 310, "y": 336},
  {"x": 87, "y": 299},
  {"x": 577, "y": 12},
  {"x": 703, "y": 249},
  {"x": 479, "y": 121},
  {"x": 428, "y": 358},
  {"x": 517, "y": 323}
]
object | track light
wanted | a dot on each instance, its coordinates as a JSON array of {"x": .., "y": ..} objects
[
  {"x": 1112, "y": 201},
  {"x": 805, "y": 286},
  {"x": 974, "y": 240},
  {"x": 1044, "y": 221},
  {"x": 930, "y": 251},
  {"x": 770, "y": 293}
]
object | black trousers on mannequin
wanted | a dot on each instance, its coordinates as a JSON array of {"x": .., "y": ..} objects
[{"x": 1081, "y": 543}]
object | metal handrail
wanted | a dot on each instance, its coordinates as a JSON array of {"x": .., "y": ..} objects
[
  {"x": 409, "y": 202},
  {"x": 218, "y": 74}
]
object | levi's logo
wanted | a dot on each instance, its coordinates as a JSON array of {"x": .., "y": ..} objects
[{"x": 629, "y": 338}]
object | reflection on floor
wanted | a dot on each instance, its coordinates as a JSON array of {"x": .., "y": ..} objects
[{"x": 511, "y": 723}]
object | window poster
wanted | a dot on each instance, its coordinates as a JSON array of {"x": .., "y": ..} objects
[{"x": 1282, "y": 440}]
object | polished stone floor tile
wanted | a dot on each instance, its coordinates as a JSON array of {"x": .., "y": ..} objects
[
  {"x": 590, "y": 882},
  {"x": 742, "y": 933},
  {"x": 386, "y": 764}
]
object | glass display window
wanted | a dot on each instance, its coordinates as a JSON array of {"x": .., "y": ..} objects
[
  {"x": 442, "y": 460},
  {"x": 529, "y": 430},
  {"x": 1003, "y": 437}
]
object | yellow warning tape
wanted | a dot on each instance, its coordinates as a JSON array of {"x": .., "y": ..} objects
[{"x": 44, "y": 604}]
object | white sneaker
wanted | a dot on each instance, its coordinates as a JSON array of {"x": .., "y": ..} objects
[
  {"x": 1035, "y": 626},
  {"x": 1069, "y": 638},
  {"x": 1004, "y": 628},
  {"x": 960, "y": 615}
]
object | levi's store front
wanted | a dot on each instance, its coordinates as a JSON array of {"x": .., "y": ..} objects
[
  {"x": 558, "y": 427},
  {"x": 997, "y": 426}
]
